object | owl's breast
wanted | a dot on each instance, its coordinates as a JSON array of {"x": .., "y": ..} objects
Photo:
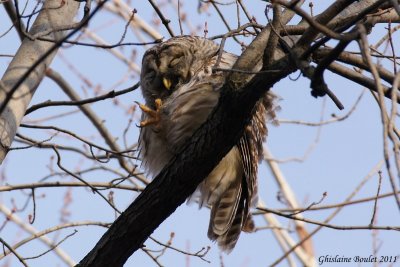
[
  {"x": 186, "y": 110},
  {"x": 182, "y": 113}
]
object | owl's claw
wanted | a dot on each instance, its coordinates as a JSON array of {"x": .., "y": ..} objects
[{"x": 154, "y": 115}]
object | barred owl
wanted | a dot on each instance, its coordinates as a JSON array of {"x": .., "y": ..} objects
[{"x": 180, "y": 90}]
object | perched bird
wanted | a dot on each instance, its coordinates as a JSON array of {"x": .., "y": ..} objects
[{"x": 180, "y": 91}]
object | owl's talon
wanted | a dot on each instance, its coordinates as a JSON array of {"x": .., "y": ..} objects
[{"x": 154, "y": 115}]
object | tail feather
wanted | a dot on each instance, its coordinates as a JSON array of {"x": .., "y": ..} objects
[
  {"x": 224, "y": 211},
  {"x": 228, "y": 240},
  {"x": 228, "y": 218}
]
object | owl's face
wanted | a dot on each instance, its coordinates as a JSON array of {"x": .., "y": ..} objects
[
  {"x": 164, "y": 68},
  {"x": 167, "y": 66}
]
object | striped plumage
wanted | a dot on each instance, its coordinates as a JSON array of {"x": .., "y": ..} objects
[{"x": 184, "y": 66}]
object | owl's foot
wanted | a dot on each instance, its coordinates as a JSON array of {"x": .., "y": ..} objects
[{"x": 153, "y": 115}]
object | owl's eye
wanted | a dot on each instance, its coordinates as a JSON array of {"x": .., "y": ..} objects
[
  {"x": 174, "y": 62},
  {"x": 151, "y": 74}
]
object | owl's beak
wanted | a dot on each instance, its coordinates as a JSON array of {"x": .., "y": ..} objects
[{"x": 167, "y": 83}]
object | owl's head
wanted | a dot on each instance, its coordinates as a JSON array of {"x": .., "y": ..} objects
[{"x": 172, "y": 63}]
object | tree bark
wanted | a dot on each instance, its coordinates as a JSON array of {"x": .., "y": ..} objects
[{"x": 55, "y": 14}]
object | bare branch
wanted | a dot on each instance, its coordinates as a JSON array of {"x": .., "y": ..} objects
[
  {"x": 30, "y": 229},
  {"x": 27, "y": 69},
  {"x": 110, "y": 94}
]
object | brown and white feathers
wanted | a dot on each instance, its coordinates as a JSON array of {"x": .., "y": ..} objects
[{"x": 179, "y": 73}]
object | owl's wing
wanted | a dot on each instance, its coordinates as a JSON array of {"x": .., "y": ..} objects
[
  {"x": 230, "y": 213},
  {"x": 251, "y": 149}
]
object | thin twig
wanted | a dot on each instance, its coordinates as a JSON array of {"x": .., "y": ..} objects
[
  {"x": 13, "y": 252},
  {"x": 376, "y": 198},
  {"x": 51, "y": 248},
  {"x": 110, "y": 94},
  {"x": 179, "y": 17},
  {"x": 332, "y": 226},
  {"x": 42, "y": 233},
  {"x": 200, "y": 254},
  {"x": 324, "y": 207},
  {"x": 32, "y": 219},
  {"x": 163, "y": 19},
  {"x": 97, "y": 185}
]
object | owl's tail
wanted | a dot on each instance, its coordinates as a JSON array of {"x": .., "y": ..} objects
[{"x": 229, "y": 216}]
